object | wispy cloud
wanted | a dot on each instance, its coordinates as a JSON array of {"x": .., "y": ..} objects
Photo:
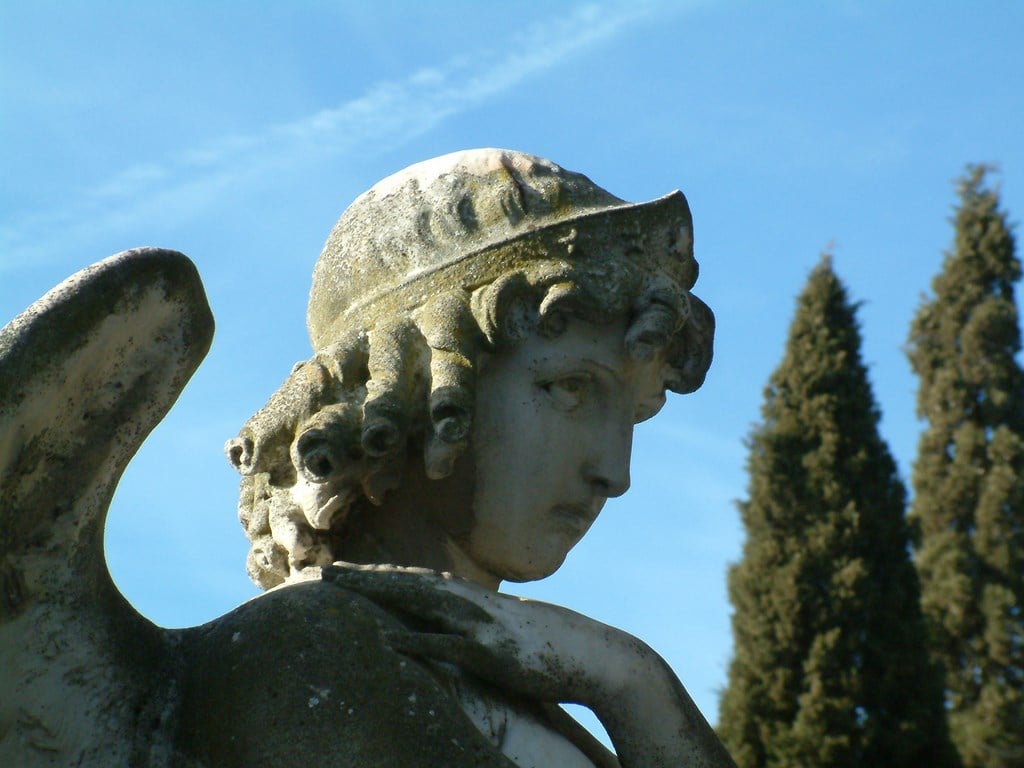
[{"x": 388, "y": 113}]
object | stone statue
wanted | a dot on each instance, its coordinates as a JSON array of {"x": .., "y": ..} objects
[{"x": 488, "y": 328}]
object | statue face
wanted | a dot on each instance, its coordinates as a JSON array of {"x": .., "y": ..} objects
[{"x": 551, "y": 442}]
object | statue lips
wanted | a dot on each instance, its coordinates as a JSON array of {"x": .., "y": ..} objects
[{"x": 578, "y": 517}]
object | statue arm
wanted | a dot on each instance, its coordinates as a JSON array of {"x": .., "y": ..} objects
[
  {"x": 550, "y": 653},
  {"x": 651, "y": 718}
]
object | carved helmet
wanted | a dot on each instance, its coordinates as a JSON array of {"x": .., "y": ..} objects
[{"x": 462, "y": 220}]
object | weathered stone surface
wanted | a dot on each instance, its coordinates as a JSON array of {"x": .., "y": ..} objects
[
  {"x": 488, "y": 328},
  {"x": 85, "y": 374}
]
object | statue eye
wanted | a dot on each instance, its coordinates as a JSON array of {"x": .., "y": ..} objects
[{"x": 568, "y": 392}]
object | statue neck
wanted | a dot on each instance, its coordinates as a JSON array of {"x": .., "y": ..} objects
[{"x": 421, "y": 524}]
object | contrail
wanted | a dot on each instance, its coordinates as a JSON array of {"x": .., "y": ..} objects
[{"x": 387, "y": 114}]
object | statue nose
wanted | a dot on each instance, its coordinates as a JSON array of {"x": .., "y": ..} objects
[
  {"x": 609, "y": 488},
  {"x": 608, "y": 470}
]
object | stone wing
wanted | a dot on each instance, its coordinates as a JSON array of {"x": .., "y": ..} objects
[{"x": 85, "y": 374}]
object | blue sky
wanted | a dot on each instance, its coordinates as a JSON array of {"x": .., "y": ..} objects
[{"x": 237, "y": 132}]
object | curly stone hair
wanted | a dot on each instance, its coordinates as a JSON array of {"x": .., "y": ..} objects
[{"x": 398, "y": 374}]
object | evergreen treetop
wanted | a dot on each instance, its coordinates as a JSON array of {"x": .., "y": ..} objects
[
  {"x": 969, "y": 479},
  {"x": 829, "y": 667}
]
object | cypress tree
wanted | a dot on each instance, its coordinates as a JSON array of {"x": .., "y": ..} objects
[
  {"x": 829, "y": 665},
  {"x": 969, "y": 479}
]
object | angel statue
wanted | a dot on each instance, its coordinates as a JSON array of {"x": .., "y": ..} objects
[{"x": 488, "y": 327}]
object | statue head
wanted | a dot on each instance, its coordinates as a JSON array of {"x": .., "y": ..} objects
[{"x": 426, "y": 274}]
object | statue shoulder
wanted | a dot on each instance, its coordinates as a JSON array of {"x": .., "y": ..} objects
[{"x": 304, "y": 670}]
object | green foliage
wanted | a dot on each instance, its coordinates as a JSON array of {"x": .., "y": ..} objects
[
  {"x": 829, "y": 667},
  {"x": 969, "y": 480}
]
